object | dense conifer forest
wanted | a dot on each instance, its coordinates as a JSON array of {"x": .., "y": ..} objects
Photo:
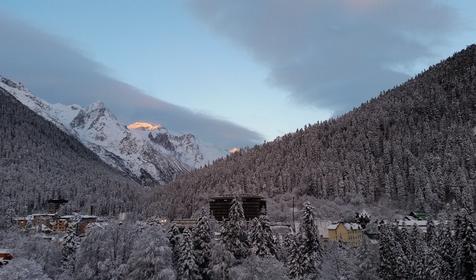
[
  {"x": 412, "y": 147},
  {"x": 39, "y": 162}
]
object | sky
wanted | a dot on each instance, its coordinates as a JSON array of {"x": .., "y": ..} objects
[{"x": 234, "y": 73}]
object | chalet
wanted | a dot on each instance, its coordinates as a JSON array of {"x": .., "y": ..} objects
[
  {"x": 253, "y": 206},
  {"x": 350, "y": 233}
]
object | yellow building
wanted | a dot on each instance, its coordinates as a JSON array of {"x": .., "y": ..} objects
[{"x": 349, "y": 233}]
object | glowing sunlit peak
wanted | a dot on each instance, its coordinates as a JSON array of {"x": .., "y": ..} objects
[
  {"x": 234, "y": 150},
  {"x": 144, "y": 126}
]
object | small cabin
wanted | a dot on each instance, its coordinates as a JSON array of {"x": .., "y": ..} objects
[{"x": 253, "y": 206}]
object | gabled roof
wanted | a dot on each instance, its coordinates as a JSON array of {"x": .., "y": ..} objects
[{"x": 348, "y": 226}]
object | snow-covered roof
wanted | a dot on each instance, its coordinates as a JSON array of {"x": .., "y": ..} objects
[
  {"x": 43, "y": 215},
  {"x": 352, "y": 226},
  {"x": 80, "y": 216},
  {"x": 322, "y": 226},
  {"x": 421, "y": 223},
  {"x": 332, "y": 226},
  {"x": 348, "y": 226}
]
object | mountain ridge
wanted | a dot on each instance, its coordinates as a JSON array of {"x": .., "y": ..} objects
[
  {"x": 139, "y": 154},
  {"x": 412, "y": 146},
  {"x": 39, "y": 161}
]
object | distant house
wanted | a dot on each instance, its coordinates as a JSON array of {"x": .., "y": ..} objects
[
  {"x": 48, "y": 223},
  {"x": 420, "y": 216},
  {"x": 253, "y": 206},
  {"x": 281, "y": 230},
  {"x": 5, "y": 257},
  {"x": 350, "y": 233},
  {"x": 185, "y": 223},
  {"x": 415, "y": 220},
  {"x": 323, "y": 228}
]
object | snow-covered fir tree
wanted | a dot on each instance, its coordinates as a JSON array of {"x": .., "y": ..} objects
[
  {"x": 201, "y": 236},
  {"x": 151, "y": 256},
  {"x": 446, "y": 248},
  {"x": 392, "y": 257},
  {"x": 466, "y": 247},
  {"x": 187, "y": 263},
  {"x": 234, "y": 232},
  {"x": 306, "y": 252},
  {"x": 70, "y": 244},
  {"x": 174, "y": 237},
  {"x": 262, "y": 238}
]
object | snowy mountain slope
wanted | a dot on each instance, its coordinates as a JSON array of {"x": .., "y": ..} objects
[{"x": 147, "y": 152}]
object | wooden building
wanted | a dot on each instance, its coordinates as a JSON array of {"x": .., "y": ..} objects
[
  {"x": 253, "y": 206},
  {"x": 349, "y": 233}
]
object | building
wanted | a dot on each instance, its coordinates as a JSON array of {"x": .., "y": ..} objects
[
  {"x": 253, "y": 206},
  {"x": 49, "y": 223},
  {"x": 420, "y": 216},
  {"x": 5, "y": 257},
  {"x": 55, "y": 204},
  {"x": 411, "y": 221},
  {"x": 281, "y": 230},
  {"x": 350, "y": 233},
  {"x": 185, "y": 223}
]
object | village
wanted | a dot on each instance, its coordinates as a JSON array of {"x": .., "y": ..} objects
[{"x": 52, "y": 226}]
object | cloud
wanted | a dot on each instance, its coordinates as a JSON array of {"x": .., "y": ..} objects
[
  {"x": 57, "y": 72},
  {"x": 332, "y": 53}
]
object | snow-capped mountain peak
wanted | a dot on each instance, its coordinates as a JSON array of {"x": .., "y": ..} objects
[{"x": 144, "y": 150}]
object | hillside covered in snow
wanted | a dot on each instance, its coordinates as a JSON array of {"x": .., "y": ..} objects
[{"x": 147, "y": 152}]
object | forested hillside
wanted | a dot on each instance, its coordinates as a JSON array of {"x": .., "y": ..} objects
[
  {"x": 413, "y": 147},
  {"x": 38, "y": 162}
]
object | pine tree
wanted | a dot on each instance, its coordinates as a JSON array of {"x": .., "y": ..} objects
[
  {"x": 235, "y": 236},
  {"x": 187, "y": 263},
  {"x": 201, "y": 237},
  {"x": 70, "y": 245},
  {"x": 310, "y": 233},
  {"x": 305, "y": 254},
  {"x": 295, "y": 262},
  {"x": 393, "y": 261},
  {"x": 466, "y": 251},
  {"x": 174, "y": 237},
  {"x": 445, "y": 247},
  {"x": 262, "y": 238}
]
